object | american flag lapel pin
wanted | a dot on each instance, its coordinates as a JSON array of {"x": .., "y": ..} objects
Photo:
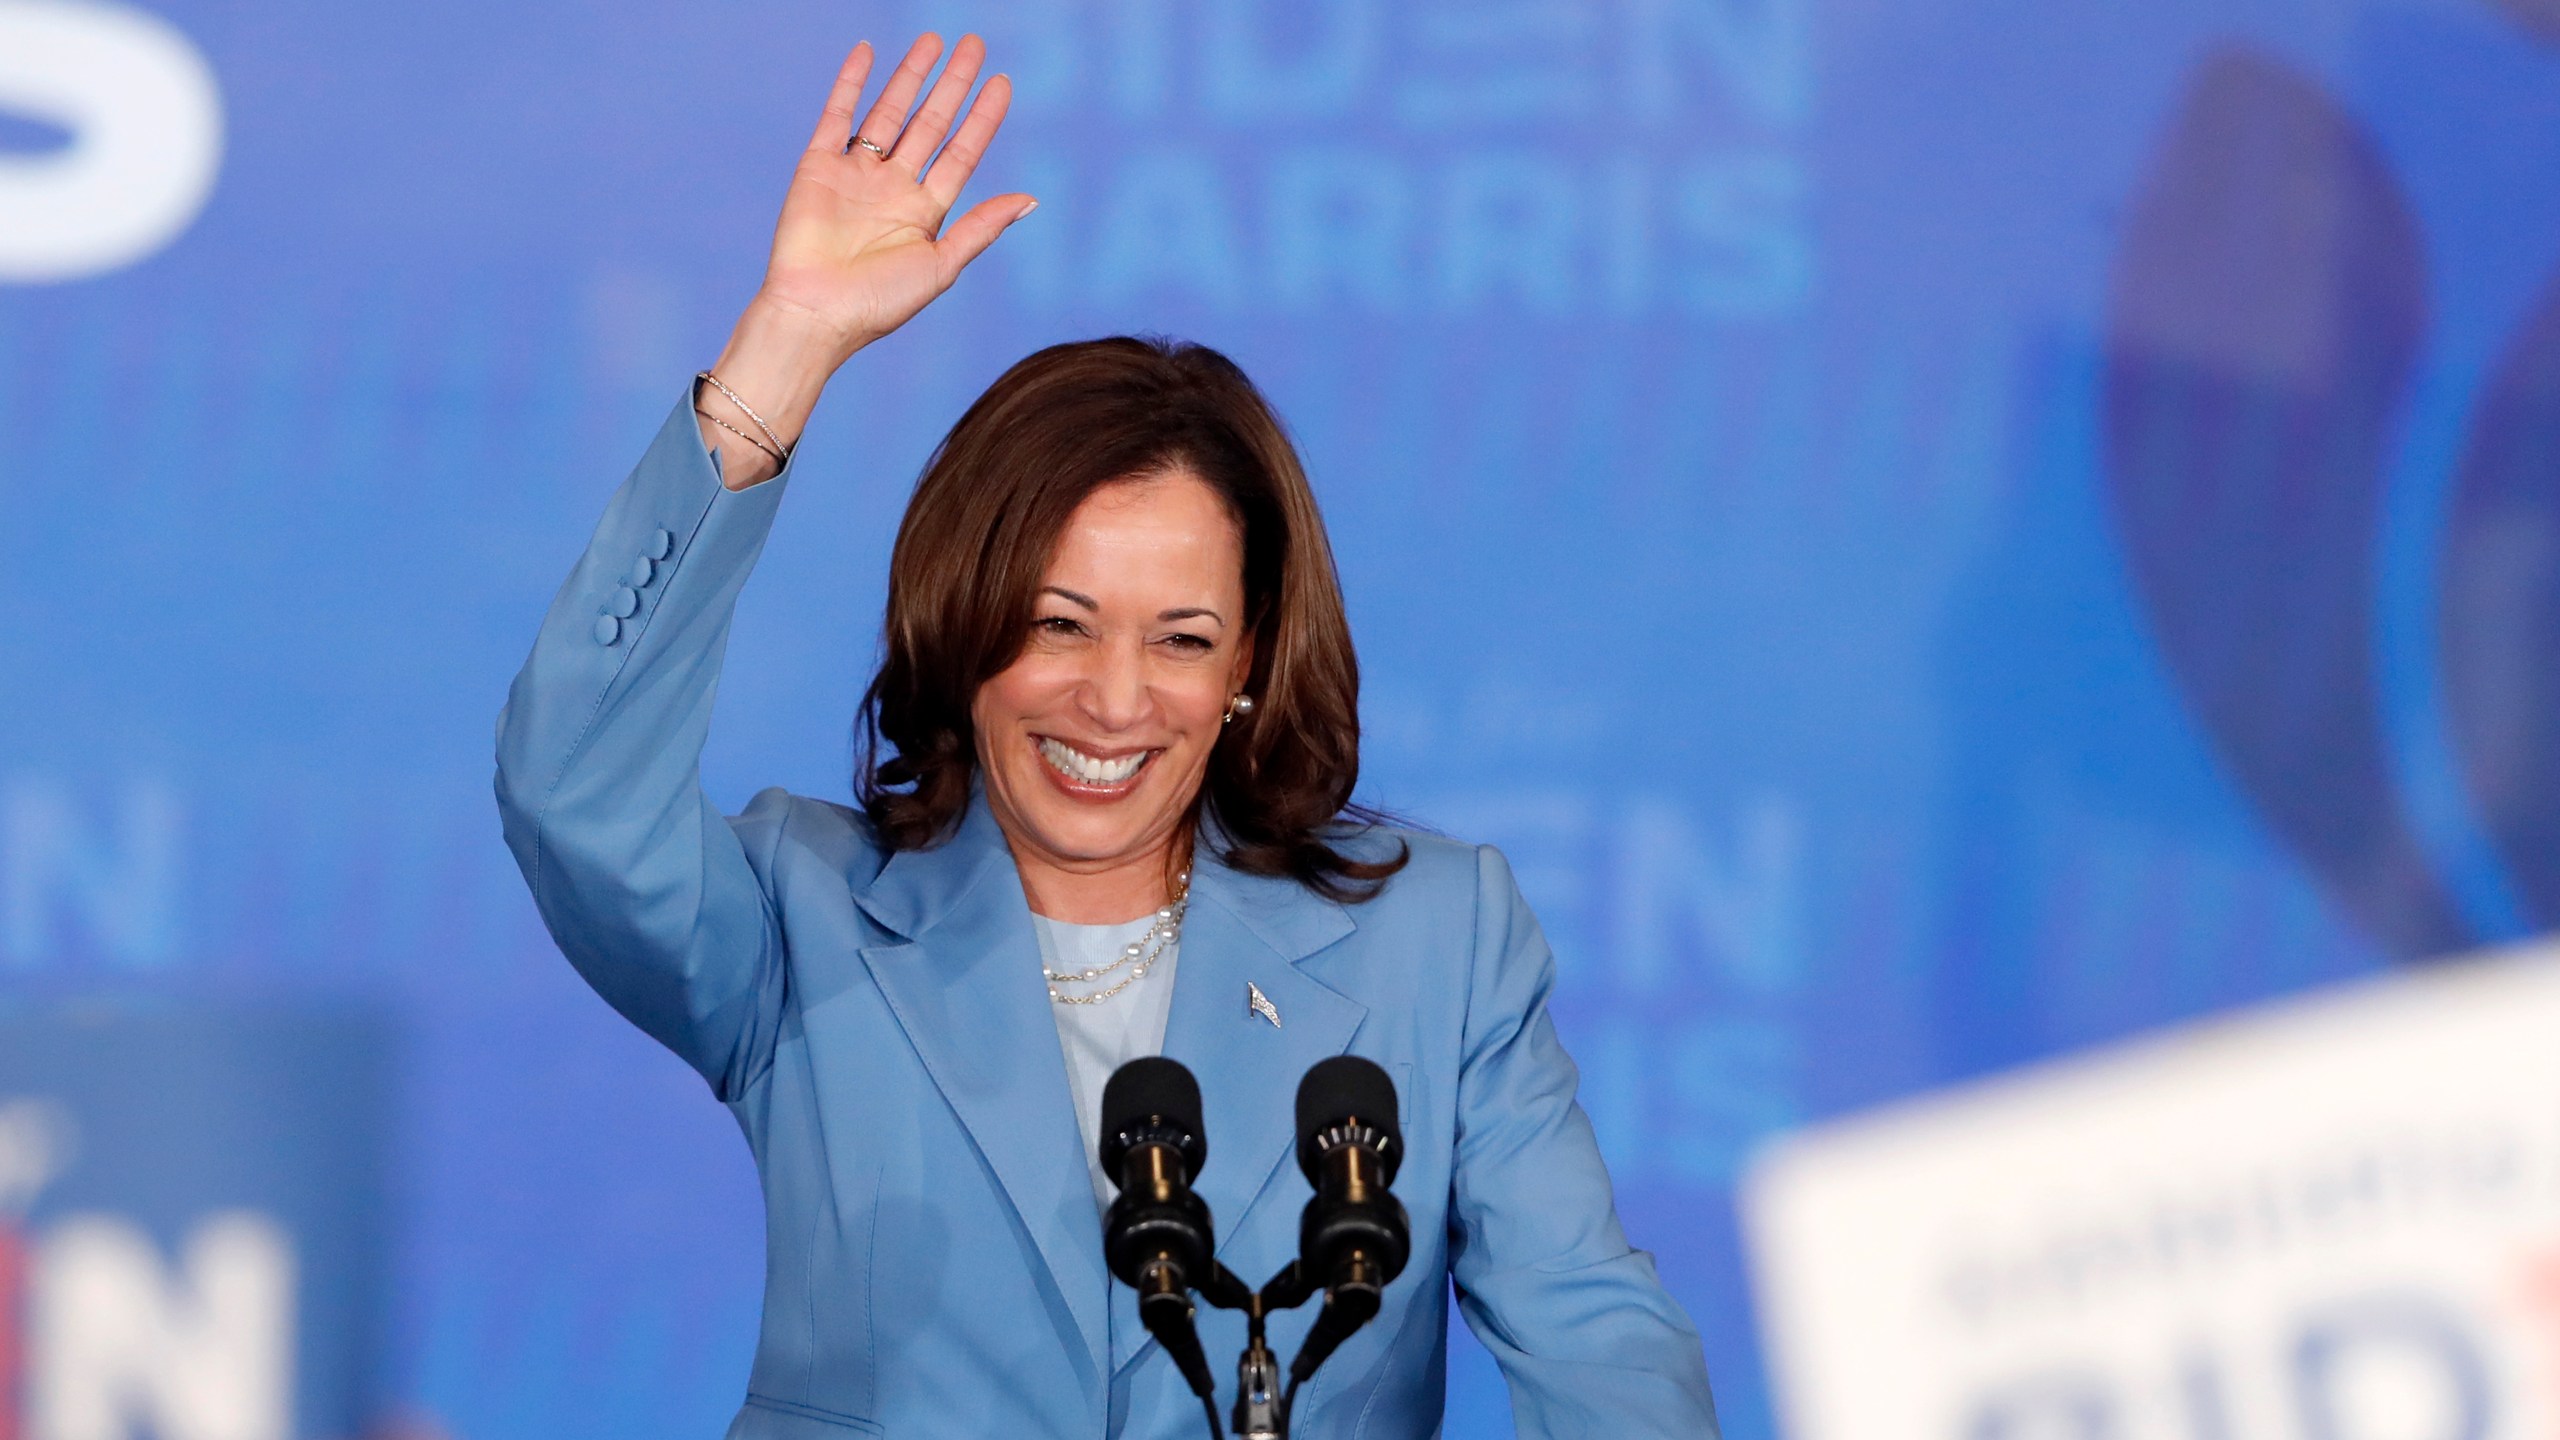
[{"x": 1260, "y": 1004}]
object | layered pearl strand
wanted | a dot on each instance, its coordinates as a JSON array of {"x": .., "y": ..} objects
[{"x": 1139, "y": 955}]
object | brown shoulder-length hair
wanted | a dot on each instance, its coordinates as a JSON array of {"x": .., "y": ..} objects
[{"x": 975, "y": 546}]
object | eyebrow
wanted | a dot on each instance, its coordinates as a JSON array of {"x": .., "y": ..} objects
[{"x": 1193, "y": 612}]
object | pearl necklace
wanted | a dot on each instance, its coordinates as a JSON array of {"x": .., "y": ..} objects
[{"x": 1140, "y": 954}]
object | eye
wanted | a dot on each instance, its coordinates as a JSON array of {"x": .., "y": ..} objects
[
  {"x": 1192, "y": 644},
  {"x": 1058, "y": 625}
]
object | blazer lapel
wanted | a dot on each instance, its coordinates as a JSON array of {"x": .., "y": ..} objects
[
  {"x": 967, "y": 990},
  {"x": 1247, "y": 931}
]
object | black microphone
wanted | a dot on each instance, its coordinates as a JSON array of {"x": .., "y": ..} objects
[
  {"x": 1353, "y": 1239},
  {"x": 1157, "y": 1238}
]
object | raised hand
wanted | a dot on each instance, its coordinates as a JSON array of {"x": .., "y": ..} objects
[{"x": 861, "y": 245}]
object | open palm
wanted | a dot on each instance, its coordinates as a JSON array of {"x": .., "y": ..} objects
[{"x": 861, "y": 245}]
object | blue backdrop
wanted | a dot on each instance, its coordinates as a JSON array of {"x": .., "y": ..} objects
[{"x": 1933, "y": 535}]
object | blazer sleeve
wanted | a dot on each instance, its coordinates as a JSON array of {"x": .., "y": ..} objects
[
  {"x": 1589, "y": 1341},
  {"x": 648, "y": 889}
]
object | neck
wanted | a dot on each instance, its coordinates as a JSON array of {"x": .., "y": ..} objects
[{"x": 1096, "y": 892}]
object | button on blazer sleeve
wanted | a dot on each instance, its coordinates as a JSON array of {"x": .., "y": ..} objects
[
  {"x": 1589, "y": 1341},
  {"x": 651, "y": 893}
]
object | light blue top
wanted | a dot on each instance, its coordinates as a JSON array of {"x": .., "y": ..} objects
[
  {"x": 876, "y": 1023},
  {"x": 1100, "y": 1038}
]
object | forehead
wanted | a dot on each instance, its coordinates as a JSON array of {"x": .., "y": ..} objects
[{"x": 1169, "y": 528}]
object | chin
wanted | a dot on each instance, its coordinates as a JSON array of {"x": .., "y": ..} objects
[
  {"x": 1086, "y": 842},
  {"x": 1073, "y": 831}
]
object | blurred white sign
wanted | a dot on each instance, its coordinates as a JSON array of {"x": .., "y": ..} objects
[
  {"x": 35, "y": 1145},
  {"x": 145, "y": 121},
  {"x": 2336, "y": 1220},
  {"x": 123, "y": 1344}
]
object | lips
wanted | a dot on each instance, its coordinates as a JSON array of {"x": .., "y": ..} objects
[{"x": 1100, "y": 772}]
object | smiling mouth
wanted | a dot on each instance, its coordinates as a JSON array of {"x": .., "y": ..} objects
[{"x": 1077, "y": 768}]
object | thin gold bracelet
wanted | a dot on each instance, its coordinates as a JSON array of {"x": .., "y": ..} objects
[
  {"x": 779, "y": 450},
  {"x": 778, "y": 457}
]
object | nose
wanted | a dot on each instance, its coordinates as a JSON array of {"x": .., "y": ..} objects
[{"x": 1115, "y": 689}]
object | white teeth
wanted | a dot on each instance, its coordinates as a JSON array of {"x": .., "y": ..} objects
[{"x": 1085, "y": 769}]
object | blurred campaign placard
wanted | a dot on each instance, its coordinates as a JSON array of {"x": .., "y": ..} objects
[
  {"x": 190, "y": 1212},
  {"x": 2336, "y": 1220}
]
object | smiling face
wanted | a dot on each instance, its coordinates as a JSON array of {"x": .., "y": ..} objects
[{"x": 1094, "y": 740}]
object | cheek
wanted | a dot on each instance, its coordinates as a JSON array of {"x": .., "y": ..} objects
[
  {"x": 1192, "y": 697},
  {"x": 1023, "y": 689},
  {"x": 1198, "y": 706}
]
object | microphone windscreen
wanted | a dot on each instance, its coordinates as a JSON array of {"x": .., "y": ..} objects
[
  {"x": 1151, "y": 1087},
  {"x": 1344, "y": 1088}
]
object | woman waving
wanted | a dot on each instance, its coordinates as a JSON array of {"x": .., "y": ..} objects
[{"x": 1105, "y": 812}]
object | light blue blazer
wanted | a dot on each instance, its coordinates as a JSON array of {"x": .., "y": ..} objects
[{"x": 878, "y": 1025}]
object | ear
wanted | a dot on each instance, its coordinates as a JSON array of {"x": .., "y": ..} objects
[{"x": 1241, "y": 672}]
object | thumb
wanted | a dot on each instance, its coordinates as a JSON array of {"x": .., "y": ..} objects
[{"x": 972, "y": 233}]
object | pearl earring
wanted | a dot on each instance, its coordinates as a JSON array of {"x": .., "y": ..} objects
[{"x": 1237, "y": 705}]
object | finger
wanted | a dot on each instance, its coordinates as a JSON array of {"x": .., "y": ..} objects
[
  {"x": 971, "y": 234},
  {"x": 889, "y": 113},
  {"x": 933, "y": 120},
  {"x": 959, "y": 159},
  {"x": 835, "y": 124}
]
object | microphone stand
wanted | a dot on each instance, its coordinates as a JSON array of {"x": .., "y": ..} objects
[{"x": 1262, "y": 1401}]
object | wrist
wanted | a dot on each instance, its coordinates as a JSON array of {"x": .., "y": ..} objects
[
  {"x": 779, "y": 358},
  {"x": 787, "y": 328}
]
